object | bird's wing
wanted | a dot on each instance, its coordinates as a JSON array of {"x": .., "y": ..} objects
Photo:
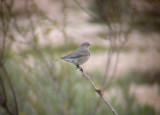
[{"x": 77, "y": 54}]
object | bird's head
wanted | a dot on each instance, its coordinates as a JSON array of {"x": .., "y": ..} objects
[{"x": 85, "y": 44}]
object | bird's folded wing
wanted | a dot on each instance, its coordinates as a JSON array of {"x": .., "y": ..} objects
[{"x": 76, "y": 54}]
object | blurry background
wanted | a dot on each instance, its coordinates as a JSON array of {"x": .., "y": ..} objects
[{"x": 125, "y": 56}]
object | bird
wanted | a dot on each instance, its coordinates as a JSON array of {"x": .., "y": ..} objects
[{"x": 79, "y": 56}]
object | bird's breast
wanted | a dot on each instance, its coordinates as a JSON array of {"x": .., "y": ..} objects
[{"x": 82, "y": 60}]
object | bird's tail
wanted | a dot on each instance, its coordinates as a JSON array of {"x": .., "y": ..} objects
[{"x": 58, "y": 59}]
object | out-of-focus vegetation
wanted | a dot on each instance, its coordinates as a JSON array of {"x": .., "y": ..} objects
[
  {"x": 144, "y": 13},
  {"x": 44, "y": 86},
  {"x": 37, "y": 95}
]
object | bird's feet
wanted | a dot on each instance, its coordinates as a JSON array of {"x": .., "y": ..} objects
[{"x": 78, "y": 67}]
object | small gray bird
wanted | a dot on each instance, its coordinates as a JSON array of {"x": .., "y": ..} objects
[{"x": 79, "y": 56}]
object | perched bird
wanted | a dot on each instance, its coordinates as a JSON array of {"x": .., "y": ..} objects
[{"x": 79, "y": 56}]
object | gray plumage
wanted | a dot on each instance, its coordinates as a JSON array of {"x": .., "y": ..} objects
[{"x": 79, "y": 56}]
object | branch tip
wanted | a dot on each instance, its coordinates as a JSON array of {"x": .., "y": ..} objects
[{"x": 99, "y": 91}]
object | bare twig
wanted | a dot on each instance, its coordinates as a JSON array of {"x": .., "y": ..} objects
[
  {"x": 3, "y": 26},
  {"x": 98, "y": 91},
  {"x": 86, "y": 11},
  {"x": 51, "y": 71},
  {"x": 50, "y": 68},
  {"x": 3, "y": 97},
  {"x": 64, "y": 26},
  {"x": 12, "y": 88},
  {"x": 109, "y": 53},
  {"x": 111, "y": 40},
  {"x": 6, "y": 11}
]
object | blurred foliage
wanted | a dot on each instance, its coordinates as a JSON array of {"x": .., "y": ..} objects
[
  {"x": 46, "y": 87},
  {"x": 49, "y": 50},
  {"x": 145, "y": 15},
  {"x": 37, "y": 95}
]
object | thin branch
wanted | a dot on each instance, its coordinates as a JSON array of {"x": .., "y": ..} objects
[
  {"x": 6, "y": 8},
  {"x": 54, "y": 80},
  {"x": 107, "y": 19},
  {"x": 109, "y": 54},
  {"x": 86, "y": 11},
  {"x": 98, "y": 91},
  {"x": 8, "y": 110},
  {"x": 3, "y": 25},
  {"x": 34, "y": 45},
  {"x": 3, "y": 97},
  {"x": 12, "y": 88},
  {"x": 64, "y": 26}
]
